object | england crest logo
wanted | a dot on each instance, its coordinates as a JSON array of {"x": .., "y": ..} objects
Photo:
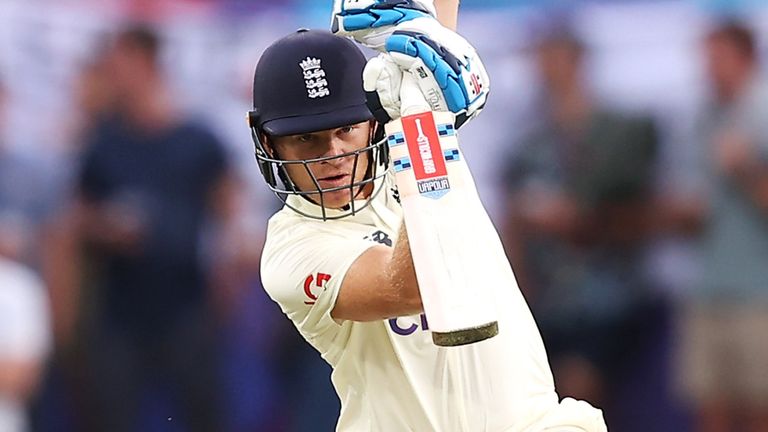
[{"x": 314, "y": 78}]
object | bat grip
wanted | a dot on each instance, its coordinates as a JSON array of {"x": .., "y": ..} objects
[{"x": 412, "y": 100}]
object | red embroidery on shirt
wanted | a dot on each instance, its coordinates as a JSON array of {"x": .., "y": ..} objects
[{"x": 320, "y": 279}]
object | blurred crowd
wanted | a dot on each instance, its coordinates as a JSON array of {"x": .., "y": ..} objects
[{"x": 130, "y": 297}]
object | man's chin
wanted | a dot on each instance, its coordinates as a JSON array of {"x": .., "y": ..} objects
[
  {"x": 340, "y": 199},
  {"x": 335, "y": 200}
]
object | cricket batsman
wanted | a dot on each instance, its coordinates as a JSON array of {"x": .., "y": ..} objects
[{"x": 337, "y": 258}]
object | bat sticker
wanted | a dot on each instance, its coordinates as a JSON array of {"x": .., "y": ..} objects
[
  {"x": 395, "y": 139},
  {"x": 426, "y": 156},
  {"x": 446, "y": 130},
  {"x": 401, "y": 164}
]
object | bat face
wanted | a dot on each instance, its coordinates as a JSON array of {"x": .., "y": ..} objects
[{"x": 445, "y": 222}]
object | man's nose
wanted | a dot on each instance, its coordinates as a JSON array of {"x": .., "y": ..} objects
[{"x": 335, "y": 147}]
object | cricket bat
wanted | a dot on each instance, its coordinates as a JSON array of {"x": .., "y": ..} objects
[{"x": 452, "y": 239}]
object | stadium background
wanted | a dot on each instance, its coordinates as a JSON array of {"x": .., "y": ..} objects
[{"x": 644, "y": 57}]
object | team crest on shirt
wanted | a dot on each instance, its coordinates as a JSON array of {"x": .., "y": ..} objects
[{"x": 314, "y": 78}]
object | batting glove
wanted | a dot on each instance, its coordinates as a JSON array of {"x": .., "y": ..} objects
[
  {"x": 448, "y": 70},
  {"x": 371, "y": 22},
  {"x": 382, "y": 78}
]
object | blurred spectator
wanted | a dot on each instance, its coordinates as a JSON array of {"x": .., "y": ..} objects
[
  {"x": 723, "y": 354},
  {"x": 26, "y": 201},
  {"x": 24, "y": 341},
  {"x": 93, "y": 96},
  {"x": 24, "y": 315},
  {"x": 579, "y": 191},
  {"x": 151, "y": 184}
]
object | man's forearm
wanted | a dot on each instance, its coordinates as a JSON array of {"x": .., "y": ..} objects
[
  {"x": 403, "y": 273},
  {"x": 448, "y": 13}
]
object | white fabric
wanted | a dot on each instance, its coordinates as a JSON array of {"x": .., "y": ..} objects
[
  {"x": 388, "y": 374},
  {"x": 571, "y": 416},
  {"x": 12, "y": 417},
  {"x": 24, "y": 330},
  {"x": 384, "y": 76}
]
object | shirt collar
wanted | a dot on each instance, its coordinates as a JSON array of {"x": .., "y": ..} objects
[{"x": 362, "y": 206}]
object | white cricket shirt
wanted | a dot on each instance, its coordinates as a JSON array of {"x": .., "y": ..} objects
[{"x": 389, "y": 375}]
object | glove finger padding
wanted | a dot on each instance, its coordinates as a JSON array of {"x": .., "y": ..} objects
[
  {"x": 371, "y": 22},
  {"x": 411, "y": 98},
  {"x": 446, "y": 66},
  {"x": 382, "y": 78},
  {"x": 425, "y": 80}
]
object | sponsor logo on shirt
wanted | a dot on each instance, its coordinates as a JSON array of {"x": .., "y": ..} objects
[
  {"x": 380, "y": 237},
  {"x": 312, "y": 284},
  {"x": 395, "y": 194},
  {"x": 410, "y": 329}
]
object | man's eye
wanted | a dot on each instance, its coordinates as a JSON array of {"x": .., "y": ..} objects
[
  {"x": 304, "y": 138},
  {"x": 347, "y": 129}
]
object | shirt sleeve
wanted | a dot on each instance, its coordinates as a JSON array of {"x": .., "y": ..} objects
[{"x": 302, "y": 270}]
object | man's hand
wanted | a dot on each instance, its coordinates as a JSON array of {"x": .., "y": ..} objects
[
  {"x": 371, "y": 22},
  {"x": 449, "y": 72},
  {"x": 382, "y": 79},
  {"x": 447, "y": 68}
]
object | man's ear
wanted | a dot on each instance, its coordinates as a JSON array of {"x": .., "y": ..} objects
[
  {"x": 372, "y": 123},
  {"x": 267, "y": 143}
]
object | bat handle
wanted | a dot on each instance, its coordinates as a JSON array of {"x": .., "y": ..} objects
[{"x": 412, "y": 101}]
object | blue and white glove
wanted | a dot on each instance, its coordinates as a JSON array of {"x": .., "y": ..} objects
[
  {"x": 449, "y": 72},
  {"x": 382, "y": 79},
  {"x": 447, "y": 68},
  {"x": 371, "y": 22}
]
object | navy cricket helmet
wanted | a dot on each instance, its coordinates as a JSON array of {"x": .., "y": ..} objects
[{"x": 308, "y": 81}]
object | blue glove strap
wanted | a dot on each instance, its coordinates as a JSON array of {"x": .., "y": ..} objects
[
  {"x": 386, "y": 4},
  {"x": 375, "y": 18}
]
